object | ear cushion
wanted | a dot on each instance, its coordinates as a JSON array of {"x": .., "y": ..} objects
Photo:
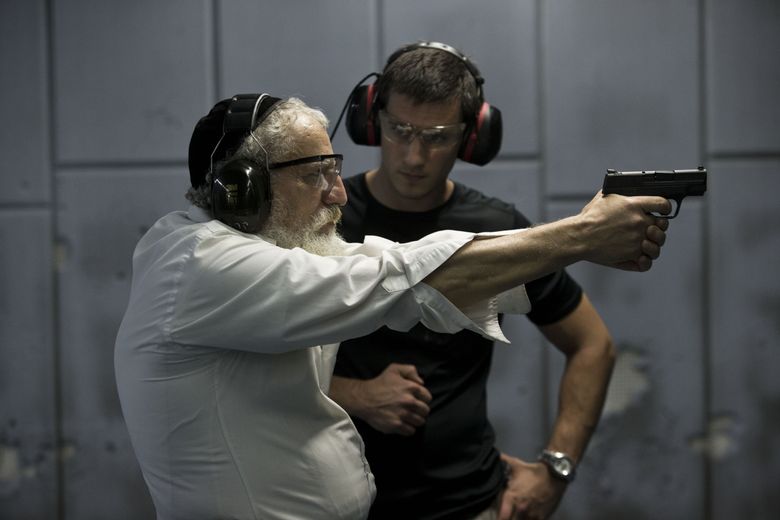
[
  {"x": 361, "y": 120},
  {"x": 483, "y": 137},
  {"x": 241, "y": 195}
]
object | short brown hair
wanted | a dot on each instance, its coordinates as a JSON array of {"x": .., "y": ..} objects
[{"x": 430, "y": 75}]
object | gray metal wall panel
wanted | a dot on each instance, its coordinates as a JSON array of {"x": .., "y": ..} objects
[
  {"x": 621, "y": 88},
  {"x": 655, "y": 405},
  {"x": 130, "y": 78},
  {"x": 516, "y": 394},
  {"x": 501, "y": 37},
  {"x": 28, "y": 456},
  {"x": 743, "y": 75},
  {"x": 307, "y": 49},
  {"x": 101, "y": 216},
  {"x": 24, "y": 138},
  {"x": 744, "y": 431}
]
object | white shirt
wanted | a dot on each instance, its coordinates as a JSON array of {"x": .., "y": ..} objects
[{"x": 224, "y": 357}]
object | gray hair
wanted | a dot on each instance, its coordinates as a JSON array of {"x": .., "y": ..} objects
[{"x": 269, "y": 142}]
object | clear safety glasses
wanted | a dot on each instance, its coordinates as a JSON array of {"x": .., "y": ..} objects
[
  {"x": 321, "y": 171},
  {"x": 432, "y": 138}
]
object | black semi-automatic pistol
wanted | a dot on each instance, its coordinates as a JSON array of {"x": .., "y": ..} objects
[{"x": 671, "y": 184}]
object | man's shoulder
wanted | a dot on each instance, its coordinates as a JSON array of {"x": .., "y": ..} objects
[
  {"x": 470, "y": 195},
  {"x": 491, "y": 213}
]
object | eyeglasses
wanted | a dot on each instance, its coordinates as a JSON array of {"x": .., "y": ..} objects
[
  {"x": 323, "y": 173},
  {"x": 433, "y": 137}
]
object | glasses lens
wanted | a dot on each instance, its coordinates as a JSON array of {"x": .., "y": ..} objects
[
  {"x": 330, "y": 169},
  {"x": 398, "y": 132},
  {"x": 440, "y": 137},
  {"x": 318, "y": 171},
  {"x": 395, "y": 131}
]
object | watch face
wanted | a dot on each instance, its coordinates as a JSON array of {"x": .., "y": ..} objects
[
  {"x": 559, "y": 464},
  {"x": 562, "y": 466}
]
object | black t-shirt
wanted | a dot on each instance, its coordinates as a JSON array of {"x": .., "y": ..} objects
[{"x": 449, "y": 468}]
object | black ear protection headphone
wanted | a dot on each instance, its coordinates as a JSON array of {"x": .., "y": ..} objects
[
  {"x": 240, "y": 188},
  {"x": 482, "y": 138}
]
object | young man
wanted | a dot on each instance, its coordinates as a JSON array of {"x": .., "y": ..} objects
[
  {"x": 225, "y": 353},
  {"x": 419, "y": 398}
]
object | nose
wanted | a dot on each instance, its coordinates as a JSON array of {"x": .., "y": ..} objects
[
  {"x": 337, "y": 194},
  {"x": 415, "y": 151}
]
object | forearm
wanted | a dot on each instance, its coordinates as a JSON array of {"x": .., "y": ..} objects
[
  {"x": 583, "y": 390},
  {"x": 488, "y": 266},
  {"x": 583, "y": 337},
  {"x": 345, "y": 391},
  {"x": 612, "y": 230}
]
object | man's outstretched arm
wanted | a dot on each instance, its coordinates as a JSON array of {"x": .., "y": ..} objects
[{"x": 615, "y": 231}]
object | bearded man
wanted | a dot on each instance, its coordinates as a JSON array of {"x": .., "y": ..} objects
[{"x": 225, "y": 354}]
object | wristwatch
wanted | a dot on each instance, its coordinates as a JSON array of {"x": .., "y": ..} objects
[{"x": 559, "y": 464}]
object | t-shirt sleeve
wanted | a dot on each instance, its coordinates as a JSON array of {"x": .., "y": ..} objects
[{"x": 553, "y": 297}]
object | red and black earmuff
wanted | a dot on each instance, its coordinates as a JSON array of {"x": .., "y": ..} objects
[
  {"x": 482, "y": 139},
  {"x": 241, "y": 188}
]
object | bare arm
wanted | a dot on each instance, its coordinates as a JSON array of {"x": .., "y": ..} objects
[
  {"x": 585, "y": 340},
  {"x": 613, "y": 230}
]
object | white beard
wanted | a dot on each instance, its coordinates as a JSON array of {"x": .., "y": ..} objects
[{"x": 288, "y": 234}]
